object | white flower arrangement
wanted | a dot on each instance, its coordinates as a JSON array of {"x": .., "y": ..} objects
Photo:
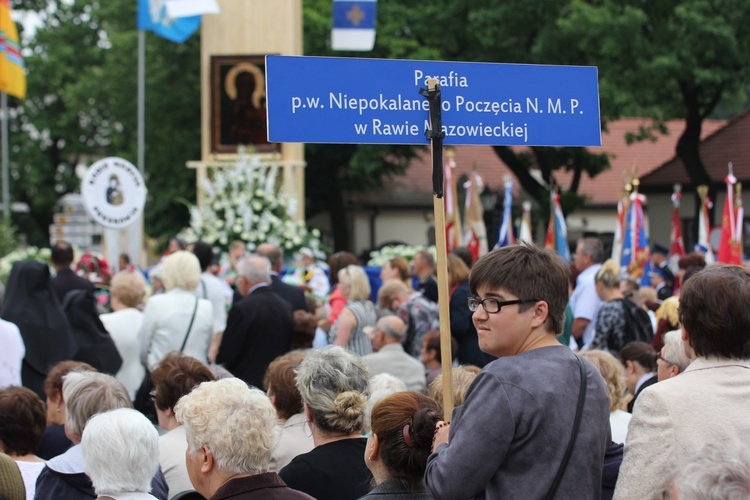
[
  {"x": 245, "y": 203},
  {"x": 380, "y": 257}
]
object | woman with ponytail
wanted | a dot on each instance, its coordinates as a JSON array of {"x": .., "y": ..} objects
[{"x": 402, "y": 429}]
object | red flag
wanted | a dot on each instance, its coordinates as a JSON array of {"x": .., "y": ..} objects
[
  {"x": 677, "y": 245},
  {"x": 729, "y": 246}
]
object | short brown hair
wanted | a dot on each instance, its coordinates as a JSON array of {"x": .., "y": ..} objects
[
  {"x": 693, "y": 259},
  {"x": 54, "y": 381},
  {"x": 404, "y": 450},
  {"x": 177, "y": 375},
  {"x": 458, "y": 271},
  {"x": 280, "y": 382},
  {"x": 432, "y": 343},
  {"x": 528, "y": 272},
  {"x": 639, "y": 352},
  {"x": 337, "y": 262},
  {"x": 23, "y": 419},
  {"x": 305, "y": 325},
  {"x": 714, "y": 312},
  {"x": 389, "y": 290}
]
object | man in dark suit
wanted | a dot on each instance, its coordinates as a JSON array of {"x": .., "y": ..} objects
[
  {"x": 259, "y": 328},
  {"x": 66, "y": 279},
  {"x": 295, "y": 296}
]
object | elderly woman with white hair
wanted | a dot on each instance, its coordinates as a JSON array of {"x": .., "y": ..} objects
[
  {"x": 672, "y": 359},
  {"x": 358, "y": 314},
  {"x": 85, "y": 394},
  {"x": 120, "y": 454},
  {"x": 334, "y": 385},
  {"x": 231, "y": 433},
  {"x": 177, "y": 320}
]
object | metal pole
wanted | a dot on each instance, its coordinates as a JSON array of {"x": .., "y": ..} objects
[
  {"x": 6, "y": 176},
  {"x": 141, "y": 100}
]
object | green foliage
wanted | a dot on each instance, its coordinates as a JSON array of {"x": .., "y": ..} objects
[
  {"x": 81, "y": 106},
  {"x": 8, "y": 237}
]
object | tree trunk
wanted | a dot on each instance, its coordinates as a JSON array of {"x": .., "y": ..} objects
[{"x": 532, "y": 187}]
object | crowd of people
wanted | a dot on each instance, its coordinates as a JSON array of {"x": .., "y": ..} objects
[{"x": 569, "y": 380}]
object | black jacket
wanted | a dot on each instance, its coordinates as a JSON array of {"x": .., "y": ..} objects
[
  {"x": 66, "y": 281},
  {"x": 74, "y": 484},
  {"x": 260, "y": 328},
  {"x": 295, "y": 296}
]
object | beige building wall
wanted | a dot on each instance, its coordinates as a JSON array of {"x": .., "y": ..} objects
[{"x": 252, "y": 27}]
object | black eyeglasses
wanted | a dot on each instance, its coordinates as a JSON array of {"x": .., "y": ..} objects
[{"x": 493, "y": 306}]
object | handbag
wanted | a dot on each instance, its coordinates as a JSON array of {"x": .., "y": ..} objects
[
  {"x": 573, "y": 435},
  {"x": 142, "y": 401}
]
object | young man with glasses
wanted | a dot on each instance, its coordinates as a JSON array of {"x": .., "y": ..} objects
[{"x": 511, "y": 436}]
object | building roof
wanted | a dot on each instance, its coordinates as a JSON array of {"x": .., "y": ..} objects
[
  {"x": 414, "y": 189},
  {"x": 718, "y": 148}
]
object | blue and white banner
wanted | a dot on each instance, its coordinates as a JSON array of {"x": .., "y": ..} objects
[
  {"x": 175, "y": 20},
  {"x": 348, "y": 100},
  {"x": 353, "y": 25}
]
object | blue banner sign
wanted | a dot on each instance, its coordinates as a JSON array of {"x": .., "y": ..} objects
[{"x": 377, "y": 101}]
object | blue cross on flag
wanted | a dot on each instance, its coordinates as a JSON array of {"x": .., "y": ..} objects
[
  {"x": 175, "y": 20},
  {"x": 353, "y": 25}
]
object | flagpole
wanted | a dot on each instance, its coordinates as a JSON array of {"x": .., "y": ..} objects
[
  {"x": 137, "y": 234},
  {"x": 141, "y": 99},
  {"x": 435, "y": 134},
  {"x": 6, "y": 176}
]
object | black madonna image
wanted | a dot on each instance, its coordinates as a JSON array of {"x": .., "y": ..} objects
[{"x": 114, "y": 193}]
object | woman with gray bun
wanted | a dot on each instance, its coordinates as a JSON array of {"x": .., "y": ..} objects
[{"x": 333, "y": 384}]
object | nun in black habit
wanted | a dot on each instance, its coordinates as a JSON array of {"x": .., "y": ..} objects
[{"x": 31, "y": 303}]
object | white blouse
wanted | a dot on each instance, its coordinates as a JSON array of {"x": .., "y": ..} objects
[{"x": 165, "y": 323}]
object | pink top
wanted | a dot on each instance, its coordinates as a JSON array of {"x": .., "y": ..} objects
[{"x": 336, "y": 301}]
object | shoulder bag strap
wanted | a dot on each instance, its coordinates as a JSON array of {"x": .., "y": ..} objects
[
  {"x": 573, "y": 434},
  {"x": 190, "y": 326}
]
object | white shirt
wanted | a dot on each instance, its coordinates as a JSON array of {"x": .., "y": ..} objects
[
  {"x": 618, "y": 423},
  {"x": 585, "y": 302},
  {"x": 643, "y": 378},
  {"x": 165, "y": 324},
  {"x": 295, "y": 438},
  {"x": 172, "y": 447},
  {"x": 123, "y": 326},
  {"x": 212, "y": 289},
  {"x": 318, "y": 282},
  {"x": 11, "y": 354},
  {"x": 30, "y": 472}
]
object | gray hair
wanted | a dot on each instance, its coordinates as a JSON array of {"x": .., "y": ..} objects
[
  {"x": 334, "y": 383},
  {"x": 393, "y": 327},
  {"x": 594, "y": 248},
  {"x": 120, "y": 452},
  {"x": 674, "y": 350},
  {"x": 88, "y": 393},
  {"x": 181, "y": 270},
  {"x": 717, "y": 472},
  {"x": 382, "y": 385},
  {"x": 235, "y": 422},
  {"x": 255, "y": 268}
]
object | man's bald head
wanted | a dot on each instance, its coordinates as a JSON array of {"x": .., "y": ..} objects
[{"x": 272, "y": 253}]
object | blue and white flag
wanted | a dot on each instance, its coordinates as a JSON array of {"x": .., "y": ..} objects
[
  {"x": 175, "y": 20},
  {"x": 353, "y": 25},
  {"x": 505, "y": 231}
]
